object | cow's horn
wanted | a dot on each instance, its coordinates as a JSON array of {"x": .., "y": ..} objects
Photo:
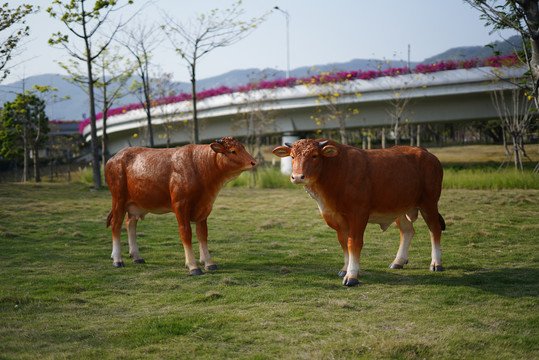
[
  {"x": 288, "y": 145},
  {"x": 323, "y": 143},
  {"x": 219, "y": 141}
]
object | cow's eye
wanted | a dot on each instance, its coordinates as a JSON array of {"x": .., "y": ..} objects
[
  {"x": 291, "y": 156},
  {"x": 233, "y": 152},
  {"x": 315, "y": 156}
]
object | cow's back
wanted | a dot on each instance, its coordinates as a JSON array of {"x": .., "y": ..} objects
[{"x": 405, "y": 170}]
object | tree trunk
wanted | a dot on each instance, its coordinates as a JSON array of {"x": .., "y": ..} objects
[
  {"x": 104, "y": 143},
  {"x": 418, "y": 134},
  {"x": 50, "y": 170},
  {"x": 93, "y": 130},
  {"x": 194, "y": 100},
  {"x": 532, "y": 20},
  {"x": 104, "y": 136},
  {"x": 35, "y": 148},
  {"x": 383, "y": 138},
  {"x": 518, "y": 159},
  {"x": 195, "y": 112},
  {"x": 342, "y": 131},
  {"x": 148, "y": 108},
  {"x": 26, "y": 168},
  {"x": 37, "y": 176},
  {"x": 397, "y": 132}
]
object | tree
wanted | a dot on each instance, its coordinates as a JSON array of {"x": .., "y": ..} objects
[
  {"x": 516, "y": 117},
  {"x": 519, "y": 15},
  {"x": 24, "y": 128},
  {"x": 9, "y": 18},
  {"x": 112, "y": 74},
  {"x": 401, "y": 85},
  {"x": 329, "y": 90},
  {"x": 195, "y": 39},
  {"x": 522, "y": 16},
  {"x": 254, "y": 113},
  {"x": 84, "y": 24},
  {"x": 115, "y": 73},
  {"x": 140, "y": 42},
  {"x": 397, "y": 108},
  {"x": 163, "y": 91}
]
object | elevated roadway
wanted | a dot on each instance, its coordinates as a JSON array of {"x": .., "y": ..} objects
[{"x": 446, "y": 96}]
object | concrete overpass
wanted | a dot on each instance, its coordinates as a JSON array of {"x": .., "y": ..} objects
[{"x": 446, "y": 96}]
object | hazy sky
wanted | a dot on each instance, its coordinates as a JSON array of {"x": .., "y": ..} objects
[{"x": 320, "y": 32}]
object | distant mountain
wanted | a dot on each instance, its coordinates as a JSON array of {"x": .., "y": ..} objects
[
  {"x": 71, "y": 109},
  {"x": 469, "y": 52},
  {"x": 76, "y": 108}
]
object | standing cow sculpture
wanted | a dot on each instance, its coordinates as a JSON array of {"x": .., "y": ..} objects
[
  {"x": 354, "y": 187},
  {"x": 183, "y": 180}
]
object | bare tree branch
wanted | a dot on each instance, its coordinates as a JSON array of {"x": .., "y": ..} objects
[{"x": 195, "y": 39}]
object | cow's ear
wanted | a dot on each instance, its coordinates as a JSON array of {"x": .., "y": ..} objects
[
  {"x": 329, "y": 151},
  {"x": 217, "y": 147},
  {"x": 282, "y": 151}
]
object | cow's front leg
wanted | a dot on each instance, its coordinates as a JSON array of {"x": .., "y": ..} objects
[
  {"x": 131, "y": 226},
  {"x": 355, "y": 244},
  {"x": 186, "y": 237},
  {"x": 202, "y": 236},
  {"x": 338, "y": 223},
  {"x": 343, "y": 240}
]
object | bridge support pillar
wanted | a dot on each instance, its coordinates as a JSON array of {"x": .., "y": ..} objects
[{"x": 286, "y": 162}]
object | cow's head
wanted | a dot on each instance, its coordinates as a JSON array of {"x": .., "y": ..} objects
[
  {"x": 307, "y": 158},
  {"x": 232, "y": 156}
]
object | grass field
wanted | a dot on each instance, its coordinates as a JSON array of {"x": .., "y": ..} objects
[
  {"x": 476, "y": 154},
  {"x": 276, "y": 294}
]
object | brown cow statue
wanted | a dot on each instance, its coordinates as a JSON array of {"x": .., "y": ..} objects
[
  {"x": 354, "y": 187},
  {"x": 183, "y": 180}
]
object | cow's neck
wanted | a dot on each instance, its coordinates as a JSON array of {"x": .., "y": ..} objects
[
  {"x": 317, "y": 193},
  {"x": 213, "y": 178}
]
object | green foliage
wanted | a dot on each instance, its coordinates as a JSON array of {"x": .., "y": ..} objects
[
  {"x": 490, "y": 179},
  {"x": 9, "y": 18},
  {"x": 475, "y": 178},
  {"x": 276, "y": 294},
  {"x": 264, "y": 177},
  {"x": 22, "y": 121}
]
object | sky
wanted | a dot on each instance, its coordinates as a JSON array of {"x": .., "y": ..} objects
[{"x": 320, "y": 31}]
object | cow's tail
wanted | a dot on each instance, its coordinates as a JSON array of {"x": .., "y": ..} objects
[
  {"x": 440, "y": 218},
  {"x": 109, "y": 218}
]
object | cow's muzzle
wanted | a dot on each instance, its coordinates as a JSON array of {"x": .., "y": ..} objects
[
  {"x": 298, "y": 179},
  {"x": 253, "y": 165}
]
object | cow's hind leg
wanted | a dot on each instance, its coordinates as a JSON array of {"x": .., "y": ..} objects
[
  {"x": 131, "y": 225},
  {"x": 202, "y": 236},
  {"x": 406, "y": 233},
  {"x": 434, "y": 222},
  {"x": 115, "y": 220}
]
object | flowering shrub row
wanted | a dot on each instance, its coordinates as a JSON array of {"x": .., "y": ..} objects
[{"x": 493, "y": 61}]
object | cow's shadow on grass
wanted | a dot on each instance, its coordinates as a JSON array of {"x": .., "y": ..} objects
[{"x": 507, "y": 282}]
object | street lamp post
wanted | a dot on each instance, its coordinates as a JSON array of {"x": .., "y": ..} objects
[{"x": 287, "y": 16}]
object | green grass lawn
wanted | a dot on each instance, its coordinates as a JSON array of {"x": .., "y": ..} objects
[{"x": 276, "y": 294}]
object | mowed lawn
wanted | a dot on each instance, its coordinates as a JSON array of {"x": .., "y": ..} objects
[{"x": 276, "y": 294}]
